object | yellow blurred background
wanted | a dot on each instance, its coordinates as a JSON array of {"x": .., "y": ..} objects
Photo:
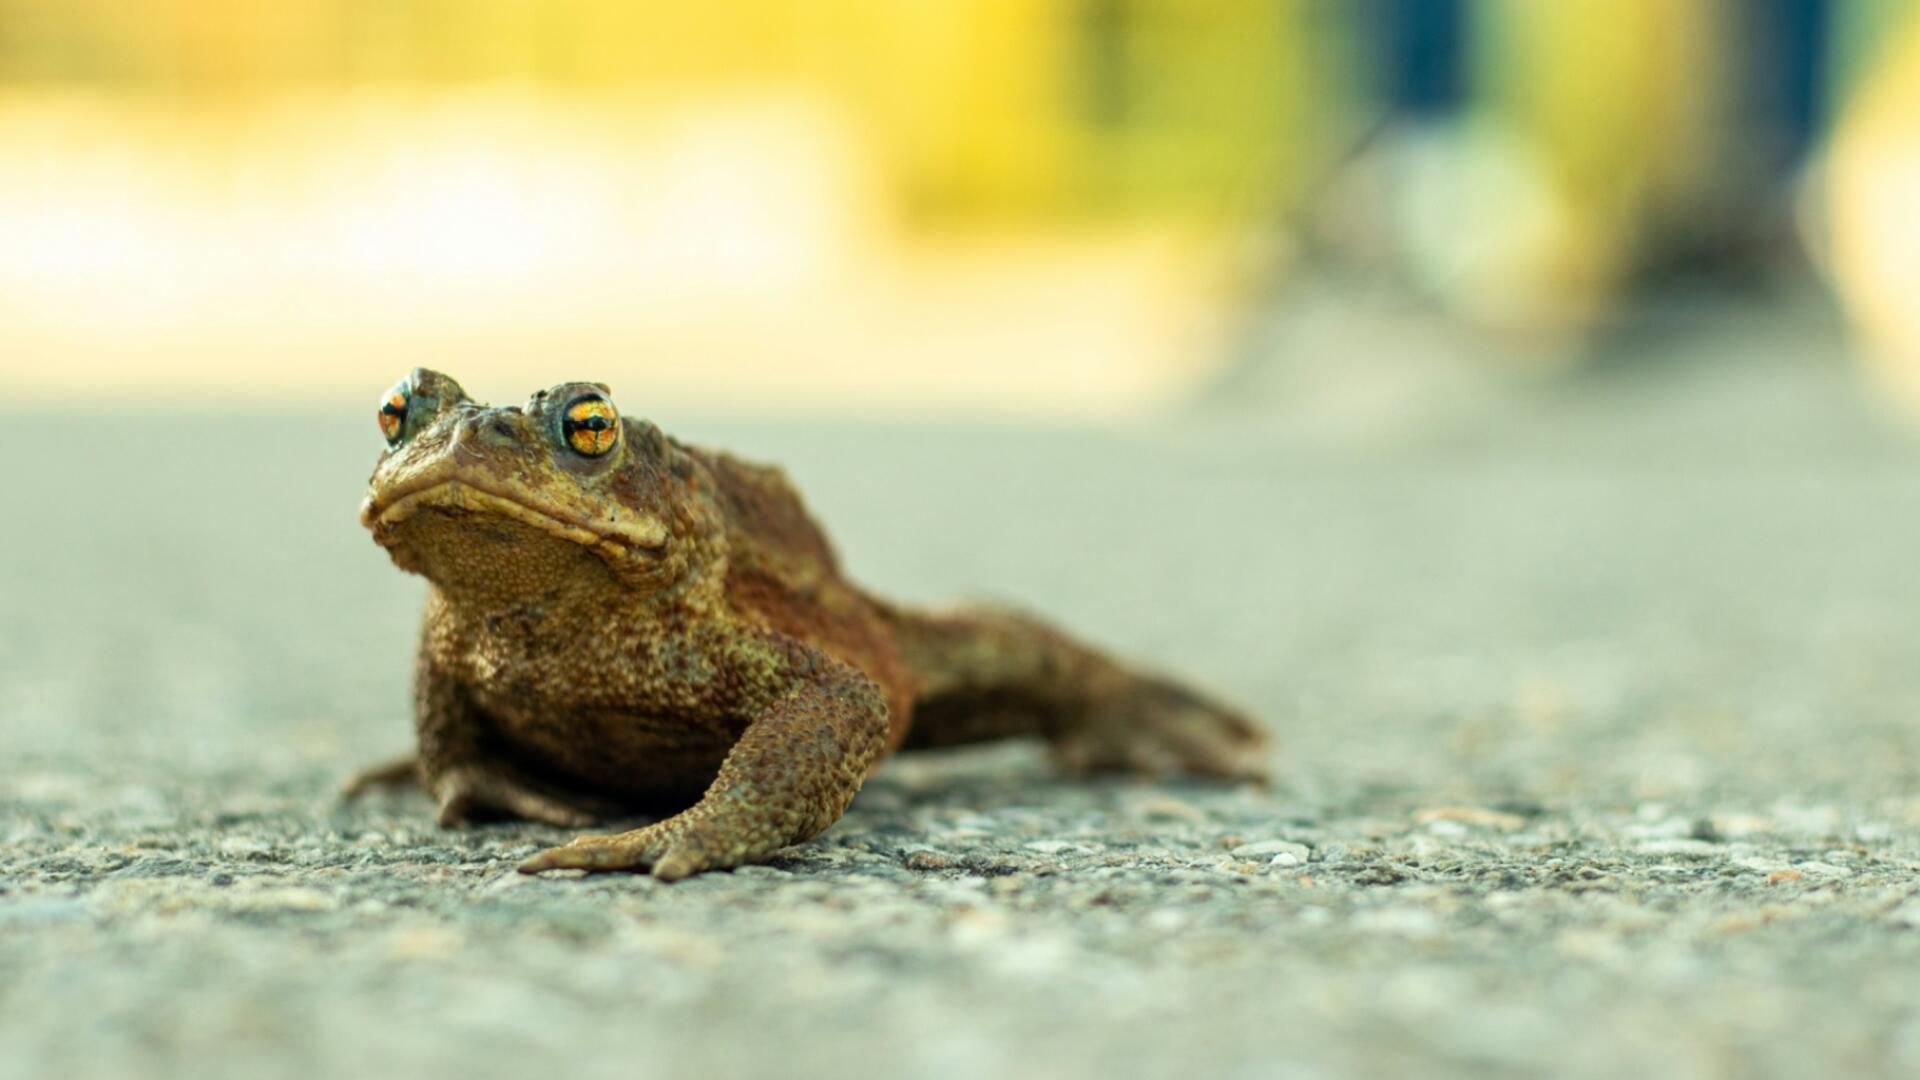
[{"x": 1050, "y": 207}]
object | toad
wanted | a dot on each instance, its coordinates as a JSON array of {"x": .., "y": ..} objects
[{"x": 617, "y": 621}]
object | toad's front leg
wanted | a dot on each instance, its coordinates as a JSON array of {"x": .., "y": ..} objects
[
  {"x": 471, "y": 784},
  {"x": 790, "y": 776}
]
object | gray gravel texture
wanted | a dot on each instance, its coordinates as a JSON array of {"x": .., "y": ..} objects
[{"x": 1599, "y": 756}]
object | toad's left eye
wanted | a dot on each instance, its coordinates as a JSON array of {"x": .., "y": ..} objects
[
  {"x": 590, "y": 425},
  {"x": 393, "y": 412}
]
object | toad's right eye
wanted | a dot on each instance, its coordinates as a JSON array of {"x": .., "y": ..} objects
[{"x": 393, "y": 412}]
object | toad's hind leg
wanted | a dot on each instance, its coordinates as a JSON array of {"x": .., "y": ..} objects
[{"x": 984, "y": 673}]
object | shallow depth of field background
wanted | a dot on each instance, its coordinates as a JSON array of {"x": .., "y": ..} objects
[{"x": 1080, "y": 208}]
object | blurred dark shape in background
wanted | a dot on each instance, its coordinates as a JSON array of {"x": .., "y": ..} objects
[
  {"x": 1422, "y": 56},
  {"x": 1747, "y": 84}
]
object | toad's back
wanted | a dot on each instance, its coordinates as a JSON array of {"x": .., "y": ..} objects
[{"x": 782, "y": 572}]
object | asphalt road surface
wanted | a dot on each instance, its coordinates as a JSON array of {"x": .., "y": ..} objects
[{"x": 1599, "y": 754}]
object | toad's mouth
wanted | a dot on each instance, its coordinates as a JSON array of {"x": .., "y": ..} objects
[{"x": 610, "y": 537}]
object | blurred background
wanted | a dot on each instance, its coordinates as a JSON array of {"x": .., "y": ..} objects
[{"x": 1361, "y": 210}]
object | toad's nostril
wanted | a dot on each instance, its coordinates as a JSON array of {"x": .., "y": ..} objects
[{"x": 493, "y": 427}]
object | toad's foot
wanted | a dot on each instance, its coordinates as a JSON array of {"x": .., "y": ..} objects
[
  {"x": 1158, "y": 728},
  {"x": 471, "y": 793},
  {"x": 672, "y": 849},
  {"x": 403, "y": 772}
]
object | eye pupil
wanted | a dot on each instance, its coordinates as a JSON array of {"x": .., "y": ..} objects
[{"x": 590, "y": 426}]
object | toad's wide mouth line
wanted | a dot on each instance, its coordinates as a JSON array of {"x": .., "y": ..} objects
[{"x": 611, "y": 538}]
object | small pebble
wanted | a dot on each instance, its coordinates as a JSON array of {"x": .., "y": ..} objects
[
  {"x": 928, "y": 860},
  {"x": 1268, "y": 849}
]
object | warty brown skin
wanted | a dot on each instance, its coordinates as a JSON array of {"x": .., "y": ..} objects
[{"x": 619, "y": 621}]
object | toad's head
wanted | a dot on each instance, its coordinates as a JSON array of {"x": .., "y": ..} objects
[{"x": 500, "y": 503}]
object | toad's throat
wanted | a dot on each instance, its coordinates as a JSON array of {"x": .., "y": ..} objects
[{"x": 613, "y": 538}]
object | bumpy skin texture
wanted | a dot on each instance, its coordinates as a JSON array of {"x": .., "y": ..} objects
[{"x": 619, "y": 621}]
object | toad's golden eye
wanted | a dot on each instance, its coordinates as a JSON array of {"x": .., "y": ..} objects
[
  {"x": 393, "y": 412},
  {"x": 590, "y": 425}
]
